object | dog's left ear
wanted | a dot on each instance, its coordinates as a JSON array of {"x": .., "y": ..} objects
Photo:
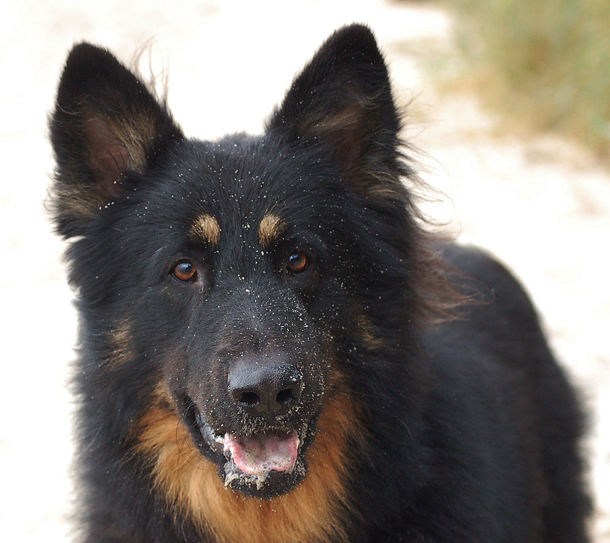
[{"x": 343, "y": 98}]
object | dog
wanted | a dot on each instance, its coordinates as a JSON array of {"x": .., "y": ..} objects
[{"x": 274, "y": 348}]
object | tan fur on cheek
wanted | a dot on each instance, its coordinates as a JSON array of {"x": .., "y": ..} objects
[
  {"x": 206, "y": 229},
  {"x": 313, "y": 512},
  {"x": 122, "y": 349},
  {"x": 366, "y": 332}
]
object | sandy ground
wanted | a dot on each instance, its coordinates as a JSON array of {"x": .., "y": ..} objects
[{"x": 541, "y": 205}]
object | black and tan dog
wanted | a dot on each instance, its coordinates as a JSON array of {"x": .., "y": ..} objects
[{"x": 257, "y": 361}]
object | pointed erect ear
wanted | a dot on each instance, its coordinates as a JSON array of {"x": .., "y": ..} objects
[
  {"x": 343, "y": 98},
  {"x": 106, "y": 125}
]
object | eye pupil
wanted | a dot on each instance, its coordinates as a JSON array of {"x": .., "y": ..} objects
[
  {"x": 185, "y": 271},
  {"x": 297, "y": 262}
]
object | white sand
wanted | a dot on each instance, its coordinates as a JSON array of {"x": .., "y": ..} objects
[{"x": 542, "y": 206}]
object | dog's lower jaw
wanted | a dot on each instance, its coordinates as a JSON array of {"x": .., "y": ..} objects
[{"x": 267, "y": 485}]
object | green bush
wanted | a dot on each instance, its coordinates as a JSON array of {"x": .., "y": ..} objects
[{"x": 544, "y": 63}]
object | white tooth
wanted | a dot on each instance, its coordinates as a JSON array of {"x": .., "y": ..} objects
[
  {"x": 260, "y": 481},
  {"x": 230, "y": 477}
]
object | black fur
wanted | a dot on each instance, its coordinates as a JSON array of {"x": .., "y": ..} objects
[{"x": 468, "y": 429}]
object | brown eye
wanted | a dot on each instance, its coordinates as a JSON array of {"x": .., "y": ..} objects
[
  {"x": 297, "y": 262},
  {"x": 185, "y": 271}
]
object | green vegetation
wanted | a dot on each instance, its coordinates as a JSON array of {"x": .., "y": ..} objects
[{"x": 543, "y": 63}]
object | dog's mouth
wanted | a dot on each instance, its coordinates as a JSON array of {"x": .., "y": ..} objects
[
  {"x": 259, "y": 455},
  {"x": 263, "y": 464}
]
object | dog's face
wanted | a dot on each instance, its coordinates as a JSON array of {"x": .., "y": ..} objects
[
  {"x": 233, "y": 274},
  {"x": 248, "y": 293}
]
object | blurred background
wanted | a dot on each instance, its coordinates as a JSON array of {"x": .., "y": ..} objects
[{"x": 508, "y": 101}]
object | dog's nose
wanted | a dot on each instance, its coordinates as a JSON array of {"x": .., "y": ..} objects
[{"x": 264, "y": 386}]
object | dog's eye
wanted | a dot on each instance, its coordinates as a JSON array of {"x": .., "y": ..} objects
[
  {"x": 297, "y": 262},
  {"x": 185, "y": 271}
]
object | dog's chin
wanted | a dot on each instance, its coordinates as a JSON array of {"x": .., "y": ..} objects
[
  {"x": 266, "y": 485},
  {"x": 262, "y": 465}
]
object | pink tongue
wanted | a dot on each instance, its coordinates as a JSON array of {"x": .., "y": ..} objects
[{"x": 257, "y": 456}]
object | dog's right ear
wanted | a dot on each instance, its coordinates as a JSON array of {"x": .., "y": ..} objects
[{"x": 106, "y": 126}]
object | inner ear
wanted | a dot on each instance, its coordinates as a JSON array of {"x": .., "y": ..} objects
[
  {"x": 109, "y": 156},
  {"x": 345, "y": 131}
]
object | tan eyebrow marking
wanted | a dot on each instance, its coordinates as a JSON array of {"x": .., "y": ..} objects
[
  {"x": 206, "y": 229},
  {"x": 269, "y": 228}
]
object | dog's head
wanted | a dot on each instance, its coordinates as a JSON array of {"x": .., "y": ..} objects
[{"x": 236, "y": 278}]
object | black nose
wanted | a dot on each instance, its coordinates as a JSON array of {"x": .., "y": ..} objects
[{"x": 264, "y": 386}]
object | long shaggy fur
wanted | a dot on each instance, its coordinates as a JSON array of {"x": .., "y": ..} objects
[{"x": 280, "y": 292}]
